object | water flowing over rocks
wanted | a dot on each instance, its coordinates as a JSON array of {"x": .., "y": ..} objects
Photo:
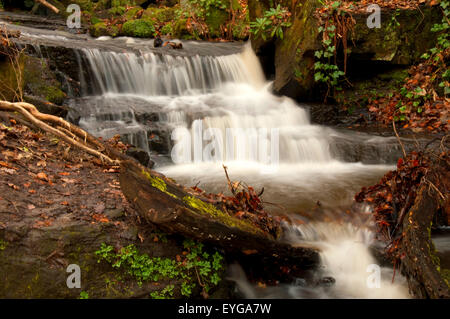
[{"x": 126, "y": 87}]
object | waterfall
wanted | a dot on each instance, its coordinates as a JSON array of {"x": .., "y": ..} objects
[
  {"x": 223, "y": 92},
  {"x": 151, "y": 74}
]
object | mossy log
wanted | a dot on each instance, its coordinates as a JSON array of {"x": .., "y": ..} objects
[
  {"x": 420, "y": 265},
  {"x": 176, "y": 209}
]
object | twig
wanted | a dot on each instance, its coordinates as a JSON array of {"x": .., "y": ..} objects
[
  {"x": 229, "y": 181},
  {"x": 399, "y": 140}
]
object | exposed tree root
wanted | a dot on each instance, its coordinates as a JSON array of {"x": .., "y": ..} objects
[{"x": 71, "y": 134}]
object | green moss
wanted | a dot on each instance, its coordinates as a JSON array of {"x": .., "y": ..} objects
[
  {"x": 158, "y": 183},
  {"x": 101, "y": 29},
  {"x": 95, "y": 20},
  {"x": 167, "y": 29},
  {"x": 212, "y": 211},
  {"x": 138, "y": 28},
  {"x": 130, "y": 14},
  {"x": 117, "y": 11},
  {"x": 180, "y": 29},
  {"x": 85, "y": 5},
  {"x": 445, "y": 274},
  {"x": 54, "y": 95},
  {"x": 159, "y": 15}
]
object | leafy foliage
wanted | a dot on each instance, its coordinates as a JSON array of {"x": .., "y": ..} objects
[
  {"x": 271, "y": 24},
  {"x": 326, "y": 70},
  {"x": 84, "y": 295},
  {"x": 166, "y": 293},
  {"x": 197, "y": 267}
]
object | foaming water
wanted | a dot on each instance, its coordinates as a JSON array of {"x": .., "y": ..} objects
[{"x": 345, "y": 256}]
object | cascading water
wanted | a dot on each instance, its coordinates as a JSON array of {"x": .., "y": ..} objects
[
  {"x": 145, "y": 94},
  {"x": 345, "y": 257}
]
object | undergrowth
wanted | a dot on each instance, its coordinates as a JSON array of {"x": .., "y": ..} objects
[{"x": 196, "y": 268}]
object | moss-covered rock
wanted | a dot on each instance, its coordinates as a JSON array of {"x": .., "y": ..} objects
[
  {"x": 180, "y": 29},
  {"x": 101, "y": 29},
  {"x": 167, "y": 29},
  {"x": 40, "y": 81},
  {"x": 138, "y": 28},
  {"x": 54, "y": 94},
  {"x": 159, "y": 15},
  {"x": 132, "y": 12}
]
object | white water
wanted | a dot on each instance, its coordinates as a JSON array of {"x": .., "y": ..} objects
[
  {"x": 150, "y": 74},
  {"x": 345, "y": 256},
  {"x": 230, "y": 92}
]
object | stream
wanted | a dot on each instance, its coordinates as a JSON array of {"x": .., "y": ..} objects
[{"x": 147, "y": 95}]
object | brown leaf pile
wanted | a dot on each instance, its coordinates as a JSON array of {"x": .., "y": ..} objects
[
  {"x": 245, "y": 204},
  {"x": 395, "y": 194},
  {"x": 432, "y": 112}
]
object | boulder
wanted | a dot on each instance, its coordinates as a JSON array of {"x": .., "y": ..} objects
[{"x": 293, "y": 56}]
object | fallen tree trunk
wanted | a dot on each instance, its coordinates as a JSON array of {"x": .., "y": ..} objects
[
  {"x": 420, "y": 265},
  {"x": 179, "y": 210}
]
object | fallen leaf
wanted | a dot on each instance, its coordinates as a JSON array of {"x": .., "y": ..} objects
[{"x": 42, "y": 176}]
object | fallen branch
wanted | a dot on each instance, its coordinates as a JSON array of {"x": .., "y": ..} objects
[{"x": 48, "y": 5}]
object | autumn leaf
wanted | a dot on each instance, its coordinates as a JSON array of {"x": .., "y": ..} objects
[{"x": 42, "y": 176}]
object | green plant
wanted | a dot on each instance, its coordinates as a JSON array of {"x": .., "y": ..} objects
[
  {"x": 3, "y": 245},
  {"x": 326, "y": 71},
  {"x": 84, "y": 295},
  {"x": 198, "y": 267},
  {"x": 443, "y": 44},
  {"x": 394, "y": 22},
  {"x": 205, "y": 7},
  {"x": 166, "y": 293},
  {"x": 271, "y": 24}
]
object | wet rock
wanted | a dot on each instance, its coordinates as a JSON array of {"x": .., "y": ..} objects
[
  {"x": 326, "y": 282},
  {"x": 300, "y": 282},
  {"x": 141, "y": 155},
  {"x": 101, "y": 29},
  {"x": 159, "y": 140}
]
